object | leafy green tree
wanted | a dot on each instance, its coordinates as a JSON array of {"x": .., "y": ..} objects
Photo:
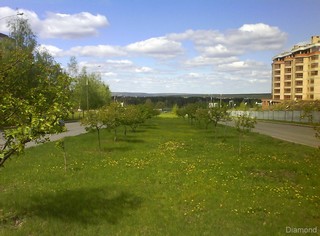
[
  {"x": 89, "y": 91},
  {"x": 218, "y": 114},
  {"x": 35, "y": 92},
  {"x": 244, "y": 124},
  {"x": 202, "y": 115},
  {"x": 191, "y": 110},
  {"x": 132, "y": 116},
  {"x": 94, "y": 122},
  {"x": 112, "y": 117}
]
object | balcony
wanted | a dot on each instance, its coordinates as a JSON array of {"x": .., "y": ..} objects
[
  {"x": 277, "y": 85},
  {"x": 299, "y": 60},
  {"x": 287, "y": 63}
]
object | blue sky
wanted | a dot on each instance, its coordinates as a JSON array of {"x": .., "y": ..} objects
[{"x": 171, "y": 46}]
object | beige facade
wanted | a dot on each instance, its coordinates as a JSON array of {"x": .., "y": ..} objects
[{"x": 296, "y": 74}]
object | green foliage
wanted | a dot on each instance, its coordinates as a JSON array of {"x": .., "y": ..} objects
[
  {"x": 89, "y": 91},
  {"x": 132, "y": 116},
  {"x": 34, "y": 92},
  {"x": 218, "y": 114},
  {"x": 94, "y": 122},
  {"x": 114, "y": 115},
  {"x": 244, "y": 123}
]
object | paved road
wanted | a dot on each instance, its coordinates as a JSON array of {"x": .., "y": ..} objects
[
  {"x": 300, "y": 134},
  {"x": 288, "y": 132},
  {"x": 73, "y": 129}
]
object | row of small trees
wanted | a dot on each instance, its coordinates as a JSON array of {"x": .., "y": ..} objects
[
  {"x": 213, "y": 115},
  {"x": 114, "y": 115}
]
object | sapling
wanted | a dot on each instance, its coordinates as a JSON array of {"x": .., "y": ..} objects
[{"x": 244, "y": 123}]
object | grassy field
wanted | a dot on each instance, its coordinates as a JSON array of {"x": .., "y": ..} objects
[{"x": 168, "y": 178}]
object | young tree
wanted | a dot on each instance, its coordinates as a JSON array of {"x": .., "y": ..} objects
[
  {"x": 202, "y": 115},
  {"x": 244, "y": 123},
  {"x": 112, "y": 117},
  {"x": 131, "y": 116},
  {"x": 94, "y": 121},
  {"x": 35, "y": 92}
]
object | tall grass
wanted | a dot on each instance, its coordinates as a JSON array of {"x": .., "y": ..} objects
[{"x": 168, "y": 178}]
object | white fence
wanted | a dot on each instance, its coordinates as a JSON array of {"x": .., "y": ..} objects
[{"x": 291, "y": 116}]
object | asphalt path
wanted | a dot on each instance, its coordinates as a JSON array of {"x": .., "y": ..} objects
[
  {"x": 73, "y": 129},
  {"x": 300, "y": 134},
  {"x": 295, "y": 133}
]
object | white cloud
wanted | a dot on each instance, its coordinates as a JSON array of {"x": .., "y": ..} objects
[
  {"x": 257, "y": 37},
  {"x": 83, "y": 24},
  {"x": 59, "y": 25},
  {"x": 160, "y": 47},
  {"x": 96, "y": 51},
  {"x": 52, "y": 50},
  {"x": 143, "y": 69},
  {"x": 247, "y": 38}
]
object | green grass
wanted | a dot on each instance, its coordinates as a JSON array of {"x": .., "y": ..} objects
[{"x": 168, "y": 178}]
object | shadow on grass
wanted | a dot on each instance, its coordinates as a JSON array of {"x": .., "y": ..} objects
[
  {"x": 131, "y": 140},
  {"x": 117, "y": 148},
  {"x": 85, "y": 206}
]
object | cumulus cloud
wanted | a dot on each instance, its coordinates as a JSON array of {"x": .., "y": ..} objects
[
  {"x": 247, "y": 38},
  {"x": 257, "y": 37},
  {"x": 83, "y": 24},
  {"x": 160, "y": 47},
  {"x": 52, "y": 50},
  {"x": 59, "y": 25},
  {"x": 96, "y": 51},
  {"x": 143, "y": 69}
]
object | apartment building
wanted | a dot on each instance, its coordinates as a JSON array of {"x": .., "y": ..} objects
[{"x": 296, "y": 74}]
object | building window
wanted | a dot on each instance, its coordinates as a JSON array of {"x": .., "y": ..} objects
[
  {"x": 315, "y": 57},
  {"x": 299, "y": 60},
  {"x": 298, "y": 90},
  {"x": 287, "y": 90},
  {"x": 287, "y": 97},
  {"x": 299, "y": 97},
  {"x": 287, "y": 63},
  {"x": 313, "y": 73},
  {"x": 287, "y": 77},
  {"x": 314, "y": 65},
  {"x": 299, "y": 83},
  {"x": 287, "y": 84},
  {"x": 277, "y": 67},
  {"x": 287, "y": 70},
  {"x": 299, "y": 68},
  {"x": 299, "y": 75}
]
